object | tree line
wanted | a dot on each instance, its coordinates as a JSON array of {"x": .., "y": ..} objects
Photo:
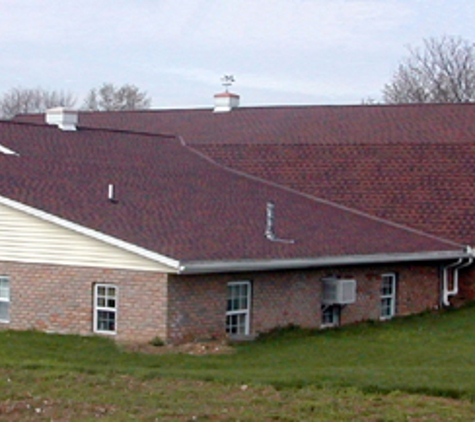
[
  {"x": 442, "y": 70},
  {"x": 107, "y": 97}
]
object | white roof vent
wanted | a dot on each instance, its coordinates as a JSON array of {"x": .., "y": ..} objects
[
  {"x": 338, "y": 291},
  {"x": 7, "y": 151},
  {"x": 225, "y": 102},
  {"x": 63, "y": 118}
]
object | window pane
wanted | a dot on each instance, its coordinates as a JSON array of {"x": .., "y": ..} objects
[
  {"x": 386, "y": 308},
  {"x": 4, "y": 288},
  {"x": 331, "y": 315},
  {"x": 4, "y": 311},
  {"x": 236, "y": 324},
  {"x": 106, "y": 321},
  {"x": 387, "y": 286}
]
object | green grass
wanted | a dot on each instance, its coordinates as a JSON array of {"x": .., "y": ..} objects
[{"x": 420, "y": 367}]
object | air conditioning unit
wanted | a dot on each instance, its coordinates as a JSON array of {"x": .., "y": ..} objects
[{"x": 337, "y": 291}]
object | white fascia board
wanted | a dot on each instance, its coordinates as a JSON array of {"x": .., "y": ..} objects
[
  {"x": 200, "y": 267},
  {"x": 153, "y": 256}
]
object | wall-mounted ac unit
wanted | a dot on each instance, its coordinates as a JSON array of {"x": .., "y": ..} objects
[{"x": 337, "y": 291}]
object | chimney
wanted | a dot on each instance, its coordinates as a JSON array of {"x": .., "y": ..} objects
[
  {"x": 63, "y": 118},
  {"x": 225, "y": 102}
]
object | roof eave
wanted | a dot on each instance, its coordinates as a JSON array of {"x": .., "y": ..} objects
[
  {"x": 173, "y": 264},
  {"x": 203, "y": 267}
]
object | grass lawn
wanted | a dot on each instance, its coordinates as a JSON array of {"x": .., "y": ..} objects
[{"x": 413, "y": 369}]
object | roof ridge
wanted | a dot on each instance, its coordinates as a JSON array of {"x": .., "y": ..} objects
[
  {"x": 89, "y": 128},
  {"x": 318, "y": 199},
  {"x": 129, "y": 132}
]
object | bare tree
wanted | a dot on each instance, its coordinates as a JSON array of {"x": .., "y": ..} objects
[
  {"x": 443, "y": 71},
  {"x": 33, "y": 100},
  {"x": 109, "y": 98}
]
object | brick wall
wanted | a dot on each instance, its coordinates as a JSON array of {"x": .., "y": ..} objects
[
  {"x": 466, "y": 286},
  {"x": 198, "y": 303},
  {"x": 60, "y": 299}
]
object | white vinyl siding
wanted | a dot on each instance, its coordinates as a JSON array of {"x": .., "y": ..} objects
[
  {"x": 105, "y": 308},
  {"x": 25, "y": 238},
  {"x": 238, "y": 308},
  {"x": 388, "y": 296},
  {"x": 4, "y": 299}
]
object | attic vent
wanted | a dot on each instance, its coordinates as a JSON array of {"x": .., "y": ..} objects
[
  {"x": 64, "y": 119},
  {"x": 338, "y": 291},
  {"x": 270, "y": 229}
]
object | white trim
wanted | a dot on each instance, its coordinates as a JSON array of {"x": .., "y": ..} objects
[
  {"x": 245, "y": 311},
  {"x": 173, "y": 264},
  {"x": 97, "y": 308},
  {"x": 392, "y": 296}
]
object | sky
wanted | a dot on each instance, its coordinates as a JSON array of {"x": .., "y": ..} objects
[{"x": 280, "y": 52}]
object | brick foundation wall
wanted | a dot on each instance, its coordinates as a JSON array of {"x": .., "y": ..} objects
[
  {"x": 198, "y": 303},
  {"x": 180, "y": 308},
  {"x": 60, "y": 299},
  {"x": 417, "y": 290}
]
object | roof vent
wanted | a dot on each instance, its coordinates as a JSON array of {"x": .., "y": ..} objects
[
  {"x": 226, "y": 101},
  {"x": 7, "y": 151},
  {"x": 111, "y": 195},
  {"x": 63, "y": 118},
  {"x": 270, "y": 229}
]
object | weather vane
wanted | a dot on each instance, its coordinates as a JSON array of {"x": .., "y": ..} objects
[{"x": 227, "y": 81}]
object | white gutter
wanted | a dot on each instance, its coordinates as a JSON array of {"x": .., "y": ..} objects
[
  {"x": 456, "y": 266},
  {"x": 200, "y": 267}
]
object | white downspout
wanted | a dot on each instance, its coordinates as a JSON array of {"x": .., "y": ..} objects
[{"x": 446, "y": 291}]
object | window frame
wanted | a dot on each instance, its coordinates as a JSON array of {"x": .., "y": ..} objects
[
  {"x": 392, "y": 297},
  {"x": 335, "y": 310},
  {"x": 98, "y": 308},
  {"x": 242, "y": 311},
  {"x": 7, "y": 300}
]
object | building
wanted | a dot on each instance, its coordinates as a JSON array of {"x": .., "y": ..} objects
[{"x": 186, "y": 224}]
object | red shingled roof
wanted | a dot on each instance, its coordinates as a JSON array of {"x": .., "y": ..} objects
[
  {"x": 412, "y": 164},
  {"x": 424, "y": 123},
  {"x": 176, "y": 203}
]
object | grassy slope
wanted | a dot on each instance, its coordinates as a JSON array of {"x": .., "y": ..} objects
[{"x": 340, "y": 375}]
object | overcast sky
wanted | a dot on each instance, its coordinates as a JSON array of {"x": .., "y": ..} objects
[{"x": 279, "y": 51}]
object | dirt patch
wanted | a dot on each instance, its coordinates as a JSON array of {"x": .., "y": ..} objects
[{"x": 194, "y": 348}]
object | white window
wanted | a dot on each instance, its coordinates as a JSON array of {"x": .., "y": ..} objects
[
  {"x": 105, "y": 308},
  {"x": 238, "y": 310},
  {"x": 331, "y": 315},
  {"x": 4, "y": 299},
  {"x": 388, "y": 296}
]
